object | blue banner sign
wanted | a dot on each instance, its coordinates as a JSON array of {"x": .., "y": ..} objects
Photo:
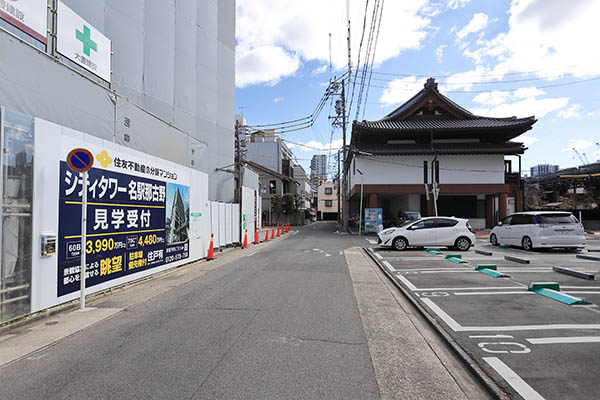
[
  {"x": 373, "y": 219},
  {"x": 133, "y": 224}
]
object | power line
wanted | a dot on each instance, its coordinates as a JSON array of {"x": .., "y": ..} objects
[{"x": 373, "y": 59}]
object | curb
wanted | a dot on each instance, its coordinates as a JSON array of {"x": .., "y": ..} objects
[{"x": 491, "y": 386}]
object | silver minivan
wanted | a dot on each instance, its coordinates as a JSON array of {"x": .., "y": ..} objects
[{"x": 539, "y": 229}]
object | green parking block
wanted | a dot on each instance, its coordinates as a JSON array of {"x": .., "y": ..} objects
[
  {"x": 493, "y": 273},
  {"x": 504, "y": 246},
  {"x": 456, "y": 260},
  {"x": 453, "y": 256},
  {"x": 486, "y": 266},
  {"x": 552, "y": 291},
  {"x": 434, "y": 251}
]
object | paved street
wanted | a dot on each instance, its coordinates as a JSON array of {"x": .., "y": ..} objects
[
  {"x": 531, "y": 345},
  {"x": 280, "y": 320}
]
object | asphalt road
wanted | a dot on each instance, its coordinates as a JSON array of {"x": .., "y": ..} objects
[
  {"x": 533, "y": 346},
  {"x": 279, "y": 323}
]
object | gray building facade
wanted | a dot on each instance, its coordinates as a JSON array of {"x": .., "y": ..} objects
[
  {"x": 171, "y": 93},
  {"x": 542, "y": 169}
]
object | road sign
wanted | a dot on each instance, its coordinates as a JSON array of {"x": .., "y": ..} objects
[{"x": 80, "y": 160}]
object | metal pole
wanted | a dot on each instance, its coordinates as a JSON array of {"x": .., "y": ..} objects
[
  {"x": 361, "y": 208},
  {"x": 344, "y": 180},
  {"x": 83, "y": 240},
  {"x": 339, "y": 202}
]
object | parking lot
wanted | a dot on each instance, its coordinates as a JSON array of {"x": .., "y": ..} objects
[{"x": 531, "y": 345}]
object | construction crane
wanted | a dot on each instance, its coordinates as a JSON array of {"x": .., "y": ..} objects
[
  {"x": 586, "y": 158},
  {"x": 579, "y": 156}
]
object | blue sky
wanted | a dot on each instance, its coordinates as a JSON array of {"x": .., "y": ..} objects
[{"x": 496, "y": 58}]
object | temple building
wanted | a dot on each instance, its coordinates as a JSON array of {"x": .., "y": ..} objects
[{"x": 432, "y": 142}]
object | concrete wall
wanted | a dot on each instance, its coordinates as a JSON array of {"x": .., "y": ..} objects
[
  {"x": 173, "y": 81},
  {"x": 267, "y": 154},
  {"x": 394, "y": 170}
]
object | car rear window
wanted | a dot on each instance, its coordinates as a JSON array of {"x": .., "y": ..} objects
[{"x": 556, "y": 219}]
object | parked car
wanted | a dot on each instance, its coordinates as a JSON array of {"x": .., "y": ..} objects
[
  {"x": 539, "y": 229},
  {"x": 429, "y": 231}
]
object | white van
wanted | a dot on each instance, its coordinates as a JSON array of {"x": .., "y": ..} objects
[{"x": 539, "y": 229}]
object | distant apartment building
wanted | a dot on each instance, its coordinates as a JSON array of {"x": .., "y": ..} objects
[
  {"x": 270, "y": 152},
  {"x": 542, "y": 169},
  {"x": 327, "y": 209},
  {"x": 318, "y": 169}
]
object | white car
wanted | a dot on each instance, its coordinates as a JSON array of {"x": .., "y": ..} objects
[
  {"x": 430, "y": 231},
  {"x": 539, "y": 229}
]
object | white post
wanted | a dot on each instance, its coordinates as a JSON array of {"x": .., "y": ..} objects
[
  {"x": 83, "y": 240},
  {"x": 361, "y": 206}
]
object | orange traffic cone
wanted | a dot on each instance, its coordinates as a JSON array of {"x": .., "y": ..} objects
[
  {"x": 245, "y": 245},
  {"x": 287, "y": 229},
  {"x": 211, "y": 250},
  {"x": 266, "y": 236},
  {"x": 277, "y": 229},
  {"x": 272, "y": 233},
  {"x": 263, "y": 224},
  {"x": 256, "y": 241}
]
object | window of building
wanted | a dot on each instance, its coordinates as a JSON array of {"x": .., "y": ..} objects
[
  {"x": 272, "y": 187},
  {"x": 328, "y": 190},
  {"x": 329, "y": 203}
]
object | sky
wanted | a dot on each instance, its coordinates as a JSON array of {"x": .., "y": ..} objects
[{"x": 495, "y": 58}]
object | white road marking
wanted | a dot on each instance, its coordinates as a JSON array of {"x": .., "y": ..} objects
[
  {"x": 407, "y": 283},
  {"x": 488, "y": 293},
  {"x": 389, "y": 266},
  {"x": 341, "y": 254},
  {"x": 327, "y": 255},
  {"x": 316, "y": 249},
  {"x": 560, "y": 340},
  {"x": 372, "y": 241},
  {"x": 251, "y": 254},
  {"x": 472, "y": 288},
  {"x": 456, "y": 327},
  {"x": 491, "y": 337},
  {"x": 378, "y": 256},
  {"x": 513, "y": 379}
]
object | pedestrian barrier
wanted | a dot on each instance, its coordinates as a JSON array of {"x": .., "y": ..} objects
[
  {"x": 572, "y": 272},
  {"x": 245, "y": 245},
  {"x": 483, "y": 252},
  {"x": 517, "y": 259},
  {"x": 584, "y": 257},
  {"x": 211, "y": 250},
  {"x": 491, "y": 270},
  {"x": 552, "y": 291}
]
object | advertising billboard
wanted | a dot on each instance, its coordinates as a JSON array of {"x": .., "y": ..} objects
[
  {"x": 138, "y": 218},
  {"x": 30, "y": 16},
  {"x": 373, "y": 219},
  {"x": 83, "y": 44}
]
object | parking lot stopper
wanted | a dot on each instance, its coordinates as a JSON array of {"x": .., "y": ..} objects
[
  {"x": 486, "y": 266},
  {"x": 584, "y": 257},
  {"x": 504, "y": 246},
  {"x": 453, "y": 256},
  {"x": 456, "y": 260},
  {"x": 483, "y": 252},
  {"x": 572, "y": 272},
  {"x": 493, "y": 274},
  {"x": 533, "y": 286},
  {"x": 434, "y": 251},
  {"x": 552, "y": 291},
  {"x": 516, "y": 259}
]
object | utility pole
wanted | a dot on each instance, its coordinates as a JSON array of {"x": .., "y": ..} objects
[
  {"x": 344, "y": 170},
  {"x": 338, "y": 188},
  {"x": 238, "y": 174}
]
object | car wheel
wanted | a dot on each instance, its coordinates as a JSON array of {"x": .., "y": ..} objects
[
  {"x": 526, "y": 243},
  {"x": 462, "y": 244},
  {"x": 399, "y": 243},
  {"x": 493, "y": 239}
]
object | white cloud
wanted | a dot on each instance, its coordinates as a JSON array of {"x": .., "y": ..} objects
[
  {"x": 492, "y": 98},
  {"x": 454, "y": 4},
  {"x": 524, "y": 108},
  {"x": 477, "y": 23},
  {"x": 439, "y": 52},
  {"x": 578, "y": 144},
  {"x": 274, "y": 37},
  {"x": 316, "y": 146},
  {"x": 278, "y": 99},
  {"x": 400, "y": 90},
  {"x": 547, "y": 37},
  {"x": 528, "y": 140},
  {"x": 573, "y": 111},
  {"x": 525, "y": 92}
]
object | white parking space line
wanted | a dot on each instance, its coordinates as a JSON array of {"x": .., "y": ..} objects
[
  {"x": 378, "y": 256},
  {"x": 407, "y": 283},
  {"x": 561, "y": 340},
  {"x": 372, "y": 241},
  {"x": 490, "y": 336},
  {"x": 389, "y": 266},
  {"x": 489, "y": 293},
  {"x": 513, "y": 379},
  {"x": 469, "y": 288},
  {"x": 456, "y": 327}
]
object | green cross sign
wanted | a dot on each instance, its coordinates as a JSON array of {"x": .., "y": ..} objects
[{"x": 86, "y": 39}]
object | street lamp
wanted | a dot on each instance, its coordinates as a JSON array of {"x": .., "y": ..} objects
[{"x": 361, "y": 200}]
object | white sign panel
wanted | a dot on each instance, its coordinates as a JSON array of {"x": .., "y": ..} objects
[
  {"x": 82, "y": 43},
  {"x": 30, "y": 16}
]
